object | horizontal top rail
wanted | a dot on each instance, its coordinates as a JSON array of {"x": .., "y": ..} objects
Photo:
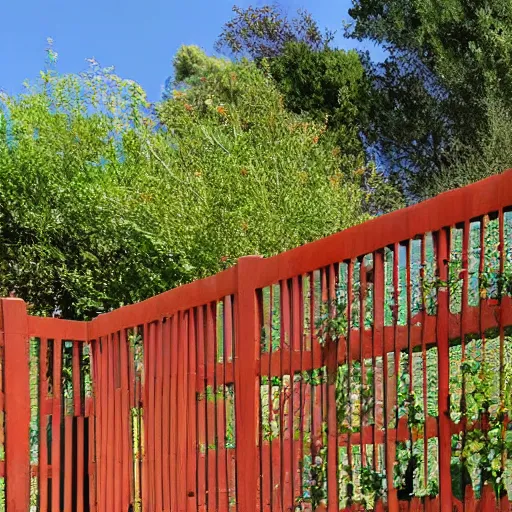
[
  {"x": 447, "y": 209},
  {"x": 184, "y": 297},
  {"x": 55, "y": 328}
]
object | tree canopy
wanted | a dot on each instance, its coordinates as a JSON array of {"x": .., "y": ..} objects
[
  {"x": 106, "y": 199},
  {"x": 446, "y": 77}
]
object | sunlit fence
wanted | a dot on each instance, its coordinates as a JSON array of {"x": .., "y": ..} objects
[{"x": 368, "y": 370}]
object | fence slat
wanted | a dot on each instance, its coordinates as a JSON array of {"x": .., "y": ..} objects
[
  {"x": 167, "y": 413},
  {"x": 445, "y": 447},
  {"x": 56, "y": 424}
]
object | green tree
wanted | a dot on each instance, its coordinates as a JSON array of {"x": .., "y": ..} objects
[
  {"x": 263, "y": 32},
  {"x": 107, "y": 200},
  {"x": 327, "y": 84},
  {"x": 270, "y": 179},
  {"x": 434, "y": 96}
]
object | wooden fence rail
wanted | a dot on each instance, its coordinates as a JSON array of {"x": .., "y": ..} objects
[{"x": 371, "y": 369}]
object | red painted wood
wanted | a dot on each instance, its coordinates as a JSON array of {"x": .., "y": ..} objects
[
  {"x": 286, "y": 415},
  {"x": 118, "y": 428},
  {"x": 220, "y": 416},
  {"x": 445, "y": 481},
  {"x": 297, "y": 345},
  {"x": 77, "y": 402},
  {"x": 108, "y": 448},
  {"x": 228, "y": 356},
  {"x": 191, "y": 447},
  {"x": 56, "y": 328},
  {"x": 14, "y": 328},
  {"x": 101, "y": 415},
  {"x": 502, "y": 258},
  {"x": 201, "y": 412},
  {"x": 56, "y": 423},
  {"x": 91, "y": 414},
  {"x": 362, "y": 314},
  {"x": 126, "y": 381},
  {"x": 80, "y": 464},
  {"x": 181, "y": 475},
  {"x": 332, "y": 429},
  {"x": 174, "y": 406},
  {"x": 263, "y": 315},
  {"x": 350, "y": 358},
  {"x": 145, "y": 403},
  {"x": 182, "y": 298},
  {"x": 110, "y": 466},
  {"x": 158, "y": 392},
  {"x": 68, "y": 462},
  {"x": 274, "y": 405},
  {"x": 446, "y": 209},
  {"x": 119, "y": 490},
  {"x": 247, "y": 403},
  {"x": 43, "y": 422},
  {"x": 211, "y": 431},
  {"x": 167, "y": 411}
]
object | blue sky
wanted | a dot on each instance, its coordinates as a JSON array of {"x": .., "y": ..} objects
[{"x": 138, "y": 37}]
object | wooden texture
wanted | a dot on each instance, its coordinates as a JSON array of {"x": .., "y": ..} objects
[{"x": 228, "y": 402}]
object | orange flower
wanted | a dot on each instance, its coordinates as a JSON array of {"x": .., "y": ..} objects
[
  {"x": 221, "y": 110},
  {"x": 188, "y": 107},
  {"x": 197, "y": 174},
  {"x": 315, "y": 139},
  {"x": 203, "y": 79}
]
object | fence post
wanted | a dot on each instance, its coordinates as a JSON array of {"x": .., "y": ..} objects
[
  {"x": 14, "y": 326},
  {"x": 246, "y": 383},
  {"x": 443, "y": 365}
]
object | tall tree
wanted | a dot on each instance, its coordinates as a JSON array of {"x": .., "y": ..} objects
[
  {"x": 322, "y": 82},
  {"x": 434, "y": 96}
]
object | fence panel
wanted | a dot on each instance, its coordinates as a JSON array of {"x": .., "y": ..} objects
[{"x": 367, "y": 370}]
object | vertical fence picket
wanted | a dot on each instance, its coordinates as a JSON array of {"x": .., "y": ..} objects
[
  {"x": 445, "y": 481},
  {"x": 174, "y": 407},
  {"x": 167, "y": 412},
  {"x": 43, "y": 425},
  {"x": 191, "y": 415},
  {"x": 211, "y": 435},
  {"x": 202, "y": 475},
  {"x": 56, "y": 424}
]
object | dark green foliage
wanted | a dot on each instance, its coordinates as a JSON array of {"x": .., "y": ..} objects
[
  {"x": 261, "y": 32},
  {"x": 448, "y": 65},
  {"x": 325, "y": 84}
]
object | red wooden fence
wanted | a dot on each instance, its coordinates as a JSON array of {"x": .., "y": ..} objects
[{"x": 318, "y": 378}]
